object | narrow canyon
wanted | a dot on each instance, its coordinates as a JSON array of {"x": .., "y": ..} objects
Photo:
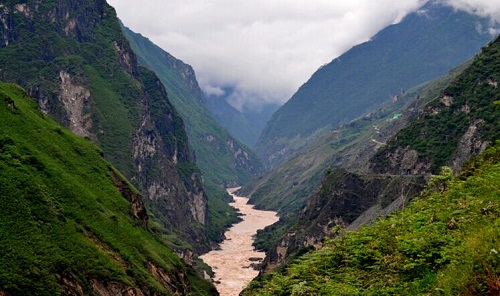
[{"x": 233, "y": 262}]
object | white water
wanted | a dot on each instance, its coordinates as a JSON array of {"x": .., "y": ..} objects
[{"x": 231, "y": 263}]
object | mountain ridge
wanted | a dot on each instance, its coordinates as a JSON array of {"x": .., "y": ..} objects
[
  {"x": 223, "y": 161},
  {"x": 420, "y": 48},
  {"x": 418, "y": 149},
  {"x": 73, "y": 59},
  {"x": 188, "y": 98}
]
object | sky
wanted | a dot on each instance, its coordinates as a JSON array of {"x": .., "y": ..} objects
[{"x": 266, "y": 49}]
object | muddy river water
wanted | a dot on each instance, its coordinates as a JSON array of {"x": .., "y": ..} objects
[{"x": 232, "y": 262}]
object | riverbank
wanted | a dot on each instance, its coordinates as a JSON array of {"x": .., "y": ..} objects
[{"x": 232, "y": 262}]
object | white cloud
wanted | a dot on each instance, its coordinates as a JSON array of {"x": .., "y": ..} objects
[
  {"x": 213, "y": 91},
  {"x": 484, "y": 8},
  {"x": 264, "y": 49}
]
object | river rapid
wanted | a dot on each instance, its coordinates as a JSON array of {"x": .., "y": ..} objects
[{"x": 232, "y": 262}]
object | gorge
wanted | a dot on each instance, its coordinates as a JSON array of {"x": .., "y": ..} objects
[{"x": 117, "y": 179}]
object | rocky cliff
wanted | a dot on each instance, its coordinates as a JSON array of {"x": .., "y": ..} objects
[
  {"x": 448, "y": 131},
  {"x": 224, "y": 161},
  {"x": 74, "y": 59},
  {"x": 457, "y": 125},
  {"x": 287, "y": 187},
  {"x": 340, "y": 200},
  {"x": 71, "y": 223},
  {"x": 442, "y": 243}
]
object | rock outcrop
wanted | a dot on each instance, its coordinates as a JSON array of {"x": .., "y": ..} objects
[
  {"x": 74, "y": 59},
  {"x": 456, "y": 126},
  {"x": 136, "y": 200},
  {"x": 75, "y": 99},
  {"x": 340, "y": 200}
]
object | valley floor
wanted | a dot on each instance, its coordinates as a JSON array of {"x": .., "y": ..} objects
[{"x": 233, "y": 261}]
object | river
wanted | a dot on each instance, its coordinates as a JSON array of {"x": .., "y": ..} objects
[{"x": 232, "y": 262}]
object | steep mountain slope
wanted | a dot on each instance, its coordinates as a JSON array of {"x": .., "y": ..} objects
[
  {"x": 349, "y": 146},
  {"x": 70, "y": 223},
  {"x": 422, "y": 47},
  {"x": 224, "y": 161},
  {"x": 444, "y": 243},
  {"x": 232, "y": 119},
  {"x": 73, "y": 59},
  {"x": 471, "y": 98},
  {"x": 452, "y": 128},
  {"x": 245, "y": 125}
]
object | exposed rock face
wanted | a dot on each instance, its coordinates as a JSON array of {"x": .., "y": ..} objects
[
  {"x": 113, "y": 288},
  {"x": 448, "y": 131},
  {"x": 69, "y": 285},
  {"x": 469, "y": 145},
  {"x": 164, "y": 278},
  {"x": 92, "y": 84},
  {"x": 180, "y": 198},
  {"x": 340, "y": 200},
  {"x": 406, "y": 161},
  {"x": 127, "y": 59},
  {"x": 198, "y": 204},
  {"x": 138, "y": 208},
  {"x": 187, "y": 255},
  {"x": 5, "y": 36},
  {"x": 175, "y": 283},
  {"x": 241, "y": 157},
  {"x": 222, "y": 160},
  {"x": 74, "y": 99}
]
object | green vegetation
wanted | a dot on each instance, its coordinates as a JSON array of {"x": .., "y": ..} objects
[
  {"x": 214, "y": 155},
  {"x": 286, "y": 188},
  {"x": 433, "y": 133},
  {"x": 111, "y": 114},
  {"x": 444, "y": 243},
  {"x": 467, "y": 101},
  {"x": 40, "y": 50},
  {"x": 57, "y": 49},
  {"x": 420, "y": 48},
  {"x": 462, "y": 110},
  {"x": 63, "y": 219},
  {"x": 216, "y": 151}
]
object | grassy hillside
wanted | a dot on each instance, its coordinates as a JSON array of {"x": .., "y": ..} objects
[
  {"x": 73, "y": 58},
  {"x": 287, "y": 187},
  {"x": 67, "y": 217},
  {"x": 445, "y": 243},
  {"x": 459, "y": 123}
]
